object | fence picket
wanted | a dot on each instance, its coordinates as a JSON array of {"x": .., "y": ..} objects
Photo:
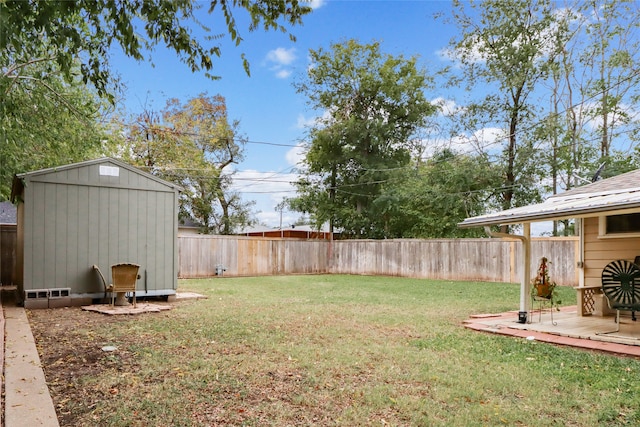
[{"x": 493, "y": 260}]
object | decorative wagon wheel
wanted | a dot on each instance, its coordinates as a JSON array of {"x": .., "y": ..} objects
[{"x": 619, "y": 284}]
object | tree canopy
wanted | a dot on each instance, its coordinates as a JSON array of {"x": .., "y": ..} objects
[
  {"x": 504, "y": 49},
  {"x": 54, "y": 64},
  {"x": 48, "y": 122},
  {"x": 193, "y": 143},
  {"x": 429, "y": 201},
  {"x": 373, "y": 103},
  {"x": 63, "y": 32}
]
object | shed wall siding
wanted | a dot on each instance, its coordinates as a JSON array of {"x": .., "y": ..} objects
[
  {"x": 599, "y": 252},
  {"x": 69, "y": 227}
]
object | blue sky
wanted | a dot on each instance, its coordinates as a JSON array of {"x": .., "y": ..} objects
[{"x": 271, "y": 114}]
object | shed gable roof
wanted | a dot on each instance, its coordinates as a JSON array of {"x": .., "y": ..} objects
[
  {"x": 617, "y": 194},
  {"x": 78, "y": 173}
]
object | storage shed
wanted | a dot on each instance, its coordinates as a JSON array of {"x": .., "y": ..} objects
[{"x": 94, "y": 213}]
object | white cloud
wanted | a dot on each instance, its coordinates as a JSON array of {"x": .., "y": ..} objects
[
  {"x": 295, "y": 156},
  {"x": 315, "y": 4},
  {"x": 448, "y": 107},
  {"x": 282, "y": 56},
  {"x": 473, "y": 55},
  {"x": 596, "y": 120},
  {"x": 483, "y": 140},
  {"x": 305, "y": 122},
  {"x": 479, "y": 52},
  {"x": 280, "y": 59},
  {"x": 283, "y": 74},
  {"x": 430, "y": 146},
  {"x": 446, "y": 54}
]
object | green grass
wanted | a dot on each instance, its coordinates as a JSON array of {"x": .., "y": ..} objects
[{"x": 351, "y": 350}]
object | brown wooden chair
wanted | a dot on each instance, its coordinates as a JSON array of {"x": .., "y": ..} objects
[{"x": 124, "y": 277}]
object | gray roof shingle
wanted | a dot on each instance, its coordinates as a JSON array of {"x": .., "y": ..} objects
[
  {"x": 619, "y": 193},
  {"x": 619, "y": 182}
]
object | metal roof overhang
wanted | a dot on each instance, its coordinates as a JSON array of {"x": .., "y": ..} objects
[{"x": 558, "y": 207}]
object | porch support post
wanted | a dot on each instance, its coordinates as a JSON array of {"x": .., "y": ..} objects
[{"x": 525, "y": 284}]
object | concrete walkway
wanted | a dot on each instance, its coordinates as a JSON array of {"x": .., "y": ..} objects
[{"x": 27, "y": 400}]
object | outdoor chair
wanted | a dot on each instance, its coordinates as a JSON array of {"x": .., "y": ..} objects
[
  {"x": 124, "y": 277},
  {"x": 621, "y": 286}
]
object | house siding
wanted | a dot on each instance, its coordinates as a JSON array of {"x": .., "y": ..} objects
[{"x": 599, "y": 252}]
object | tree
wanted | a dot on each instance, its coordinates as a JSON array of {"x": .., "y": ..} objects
[
  {"x": 193, "y": 144},
  {"x": 502, "y": 47},
  {"x": 430, "y": 200},
  {"x": 374, "y": 105},
  {"x": 47, "y": 122},
  {"x": 49, "y": 50},
  {"x": 610, "y": 53},
  {"x": 62, "y": 32}
]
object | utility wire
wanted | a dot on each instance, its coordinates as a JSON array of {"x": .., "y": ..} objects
[{"x": 269, "y": 178}]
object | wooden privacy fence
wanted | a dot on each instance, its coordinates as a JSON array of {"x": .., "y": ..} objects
[
  {"x": 8, "y": 242},
  {"x": 494, "y": 260},
  {"x": 200, "y": 255}
]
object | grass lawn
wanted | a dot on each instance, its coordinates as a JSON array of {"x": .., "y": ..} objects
[{"x": 332, "y": 350}]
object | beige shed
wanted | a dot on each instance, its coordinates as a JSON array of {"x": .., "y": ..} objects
[{"x": 94, "y": 213}]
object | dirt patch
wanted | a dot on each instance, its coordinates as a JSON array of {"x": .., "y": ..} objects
[{"x": 70, "y": 350}]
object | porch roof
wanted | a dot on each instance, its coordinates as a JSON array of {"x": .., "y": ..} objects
[{"x": 619, "y": 194}]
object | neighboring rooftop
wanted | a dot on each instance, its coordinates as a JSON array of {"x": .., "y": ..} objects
[
  {"x": 293, "y": 231},
  {"x": 188, "y": 223},
  {"x": 7, "y": 213},
  {"x": 264, "y": 228}
]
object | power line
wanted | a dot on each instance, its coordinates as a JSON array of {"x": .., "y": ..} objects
[
  {"x": 270, "y": 178},
  {"x": 161, "y": 128}
]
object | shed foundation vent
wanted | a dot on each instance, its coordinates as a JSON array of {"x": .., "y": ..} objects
[
  {"x": 59, "y": 297},
  {"x": 36, "y": 298}
]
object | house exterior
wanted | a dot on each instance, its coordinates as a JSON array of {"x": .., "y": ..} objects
[
  {"x": 94, "y": 213},
  {"x": 607, "y": 215},
  {"x": 188, "y": 227},
  {"x": 294, "y": 232}
]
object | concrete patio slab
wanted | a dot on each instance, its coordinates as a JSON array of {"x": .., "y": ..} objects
[
  {"x": 570, "y": 329},
  {"x": 140, "y": 308}
]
